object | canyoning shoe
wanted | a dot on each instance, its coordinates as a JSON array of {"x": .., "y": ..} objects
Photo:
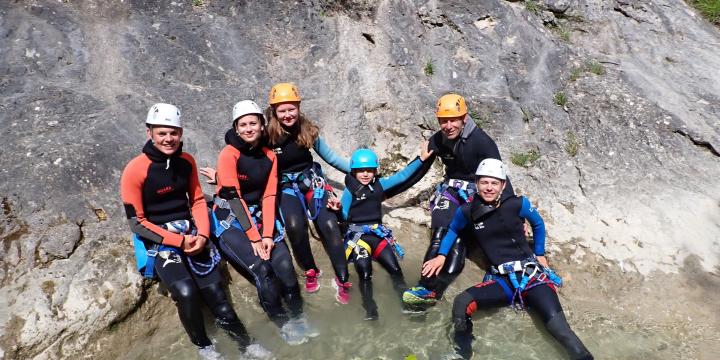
[
  {"x": 302, "y": 326},
  {"x": 257, "y": 352},
  {"x": 290, "y": 334},
  {"x": 371, "y": 315},
  {"x": 343, "y": 291},
  {"x": 209, "y": 353},
  {"x": 311, "y": 280},
  {"x": 419, "y": 296}
]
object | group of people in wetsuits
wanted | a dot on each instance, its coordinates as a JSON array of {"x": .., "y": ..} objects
[{"x": 269, "y": 189}]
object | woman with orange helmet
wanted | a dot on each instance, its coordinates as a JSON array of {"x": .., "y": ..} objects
[{"x": 305, "y": 194}]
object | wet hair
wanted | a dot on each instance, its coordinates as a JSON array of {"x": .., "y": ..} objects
[{"x": 305, "y": 130}]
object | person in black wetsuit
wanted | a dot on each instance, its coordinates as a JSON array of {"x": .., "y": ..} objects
[
  {"x": 248, "y": 232},
  {"x": 460, "y": 145},
  {"x": 168, "y": 215},
  {"x": 305, "y": 195},
  {"x": 367, "y": 238},
  {"x": 517, "y": 277}
]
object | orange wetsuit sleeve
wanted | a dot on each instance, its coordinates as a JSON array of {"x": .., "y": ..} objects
[
  {"x": 198, "y": 206},
  {"x": 270, "y": 196},
  {"x": 131, "y": 186},
  {"x": 229, "y": 189}
]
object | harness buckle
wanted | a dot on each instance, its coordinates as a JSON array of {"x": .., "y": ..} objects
[
  {"x": 152, "y": 253},
  {"x": 225, "y": 224}
]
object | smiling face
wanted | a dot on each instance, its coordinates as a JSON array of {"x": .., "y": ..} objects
[
  {"x": 364, "y": 175},
  {"x": 452, "y": 127},
  {"x": 165, "y": 138},
  {"x": 489, "y": 188},
  {"x": 249, "y": 128},
  {"x": 287, "y": 113}
]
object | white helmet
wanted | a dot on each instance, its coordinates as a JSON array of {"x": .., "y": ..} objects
[
  {"x": 245, "y": 107},
  {"x": 492, "y": 168},
  {"x": 164, "y": 115}
]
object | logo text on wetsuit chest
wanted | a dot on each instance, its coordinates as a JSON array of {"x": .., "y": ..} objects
[
  {"x": 164, "y": 190},
  {"x": 242, "y": 177},
  {"x": 362, "y": 197},
  {"x": 277, "y": 150},
  {"x": 479, "y": 226}
]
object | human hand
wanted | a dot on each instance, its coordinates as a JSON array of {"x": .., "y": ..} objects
[
  {"x": 424, "y": 152},
  {"x": 333, "y": 203},
  {"x": 259, "y": 250},
  {"x": 433, "y": 266},
  {"x": 268, "y": 244},
  {"x": 209, "y": 173},
  {"x": 542, "y": 260},
  {"x": 197, "y": 245}
]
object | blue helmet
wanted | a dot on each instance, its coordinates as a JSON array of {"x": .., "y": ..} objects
[{"x": 363, "y": 159}]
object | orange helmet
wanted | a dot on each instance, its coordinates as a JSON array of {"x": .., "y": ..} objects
[
  {"x": 451, "y": 105},
  {"x": 284, "y": 92}
]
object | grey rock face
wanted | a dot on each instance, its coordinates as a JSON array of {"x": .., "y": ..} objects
[{"x": 619, "y": 99}]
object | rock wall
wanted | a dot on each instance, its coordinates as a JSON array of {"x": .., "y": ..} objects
[{"x": 615, "y": 105}]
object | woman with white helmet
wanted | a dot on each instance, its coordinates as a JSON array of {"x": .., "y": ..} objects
[
  {"x": 517, "y": 277},
  {"x": 246, "y": 223},
  {"x": 168, "y": 215}
]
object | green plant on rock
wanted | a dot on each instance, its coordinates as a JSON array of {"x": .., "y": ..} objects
[
  {"x": 525, "y": 159},
  {"x": 710, "y": 9},
  {"x": 596, "y": 68},
  {"x": 575, "y": 73},
  {"x": 428, "y": 69},
  {"x": 560, "y": 98},
  {"x": 198, "y": 3},
  {"x": 532, "y": 6},
  {"x": 571, "y": 143}
]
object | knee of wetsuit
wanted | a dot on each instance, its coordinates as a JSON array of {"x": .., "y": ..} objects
[
  {"x": 294, "y": 300},
  {"x": 184, "y": 291},
  {"x": 366, "y": 276},
  {"x": 559, "y": 328}
]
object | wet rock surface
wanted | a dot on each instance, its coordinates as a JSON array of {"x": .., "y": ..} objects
[{"x": 617, "y": 101}]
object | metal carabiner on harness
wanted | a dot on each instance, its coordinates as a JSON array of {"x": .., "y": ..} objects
[{"x": 525, "y": 277}]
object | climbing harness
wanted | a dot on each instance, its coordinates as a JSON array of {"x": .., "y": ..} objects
[
  {"x": 532, "y": 274},
  {"x": 312, "y": 180},
  {"x": 218, "y": 227},
  {"x": 355, "y": 243},
  {"x": 465, "y": 190},
  {"x": 146, "y": 257}
]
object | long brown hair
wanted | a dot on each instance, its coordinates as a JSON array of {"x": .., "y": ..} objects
[{"x": 306, "y": 136}]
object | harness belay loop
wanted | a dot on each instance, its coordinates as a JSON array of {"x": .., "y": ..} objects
[
  {"x": 312, "y": 179},
  {"x": 532, "y": 274},
  {"x": 146, "y": 257},
  {"x": 465, "y": 189},
  {"x": 352, "y": 238}
]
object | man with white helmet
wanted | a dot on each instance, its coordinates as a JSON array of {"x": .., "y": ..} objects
[
  {"x": 168, "y": 216},
  {"x": 496, "y": 224},
  {"x": 461, "y": 145}
]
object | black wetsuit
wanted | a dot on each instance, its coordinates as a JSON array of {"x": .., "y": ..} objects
[
  {"x": 461, "y": 158},
  {"x": 156, "y": 189},
  {"x": 293, "y": 158},
  {"x": 499, "y": 232},
  {"x": 247, "y": 180}
]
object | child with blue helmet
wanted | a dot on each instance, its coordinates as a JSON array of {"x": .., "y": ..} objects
[{"x": 366, "y": 237}]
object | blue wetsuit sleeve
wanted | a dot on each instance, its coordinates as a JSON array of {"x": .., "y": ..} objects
[
  {"x": 457, "y": 224},
  {"x": 330, "y": 157},
  {"x": 527, "y": 211},
  {"x": 345, "y": 201},
  {"x": 400, "y": 178}
]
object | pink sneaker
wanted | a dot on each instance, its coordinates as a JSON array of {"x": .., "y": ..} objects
[
  {"x": 343, "y": 294},
  {"x": 311, "y": 280}
]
